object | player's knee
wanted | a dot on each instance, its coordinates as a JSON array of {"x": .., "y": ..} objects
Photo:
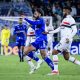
[
  {"x": 25, "y": 50},
  {"x": 66, "y": 55},
  {"x": 43, "y": 54},
  {"x": 54, "y": 52}
]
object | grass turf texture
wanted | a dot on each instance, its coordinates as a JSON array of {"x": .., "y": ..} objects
[{"x": 12, "y": 69}]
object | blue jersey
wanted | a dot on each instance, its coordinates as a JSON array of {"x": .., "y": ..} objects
[
  {"x": 39, "y": 27},
  {"x": 20, "y": 31}
]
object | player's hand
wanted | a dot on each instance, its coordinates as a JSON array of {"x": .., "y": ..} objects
[{"x": 45, "y": 32}]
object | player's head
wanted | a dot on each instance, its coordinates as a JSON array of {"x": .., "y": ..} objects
[
  {"x": 66, "y": 10},
  {"x": 20, "y": 20},
  {"x": 38, "y": 13}
]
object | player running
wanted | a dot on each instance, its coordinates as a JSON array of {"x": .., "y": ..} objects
[
  {"x": 21, "y": 32},
  {"x": 41, "y": 39},
  {"x": 67, "y": 30},
  {"x": 30, "y": 39}
]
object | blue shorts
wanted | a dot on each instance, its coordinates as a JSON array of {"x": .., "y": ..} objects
[
  {"x": 39, "y": 43},
  {"x": 20, "y": 42}
]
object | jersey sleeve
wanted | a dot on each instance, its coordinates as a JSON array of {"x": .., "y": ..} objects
[
  {"x": 74, "y": 27},
  {"x": 36, "y": 22},
  {"x": 55, "y": 31}
]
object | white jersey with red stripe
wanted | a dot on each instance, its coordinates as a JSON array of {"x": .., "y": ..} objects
[
  {"x": 30, "y": 36},
  {"x": 30, "y": 32},
  {"x": 67, "y": 31},
  {"x": 67, "y": 26}
]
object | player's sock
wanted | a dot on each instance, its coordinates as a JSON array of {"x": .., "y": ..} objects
[
  {"x": 22, "y": 58},
  {"x": 19, "y": 53},
  {"x": 72, "y": 59},
  {"x": 49, "y": 62},
  {"x": 29, "y": 62},
  {"x": 55, "y": 60},
  {"x": 1, "y": 50},
  {"x": 31, "y": 55}
]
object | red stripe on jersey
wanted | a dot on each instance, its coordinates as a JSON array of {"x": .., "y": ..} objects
[
  {"x": 67, "y": 23},
  {"x": 31, "y": 32}
]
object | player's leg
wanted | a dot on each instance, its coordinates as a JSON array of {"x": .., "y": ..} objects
[
  {"x": 6, "y": 50},
  {"x": 70, "y": 58},
  {"x": 66, "y": 52},
  {"x": 42, "y": 47},
  {"x": 22, "y": 51},
  {"x": 55, "y": 60},
  {"x": 47, "y": 59},
  {"x": 31, "y": 64},
  {"x": 19, "y": 53}
]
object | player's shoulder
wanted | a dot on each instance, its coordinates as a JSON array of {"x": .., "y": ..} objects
[
  {"x": 70, "y": 18},
  {"x": 41, "y": 19}
]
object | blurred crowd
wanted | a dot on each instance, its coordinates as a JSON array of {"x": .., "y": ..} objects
[{"x": 50, "y": 8}]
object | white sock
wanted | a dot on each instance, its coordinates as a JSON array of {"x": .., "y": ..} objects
[
  {"x": 72, "y": 59},
  {"x": 30, "y": 63},
  {"x": 55, "y": 60}
]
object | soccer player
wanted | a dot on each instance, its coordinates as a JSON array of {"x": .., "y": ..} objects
[
  {"x": 67, "y": 30},
  {"x": 31, "y": 38},
  {"x": 50, "y": 45},
  {"x": 5, "y": 35},
  {"x": 41, "y": 39},
  {"x": 21, "y": 32}
]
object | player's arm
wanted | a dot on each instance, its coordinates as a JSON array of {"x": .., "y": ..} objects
[
  {"x": 74, "y": 27},
  {"x": 36, "y": 22},
  {"x": 53, "y": 31},
  {"x": 74, "y": 30}
]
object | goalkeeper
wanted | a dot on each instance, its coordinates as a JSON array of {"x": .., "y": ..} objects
[{"x": 5, "y": 35}]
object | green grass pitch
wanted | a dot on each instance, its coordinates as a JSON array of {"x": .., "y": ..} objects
[{"x": 12, "y": 69}]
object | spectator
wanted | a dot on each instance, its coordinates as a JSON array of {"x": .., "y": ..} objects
[
  {"x": 74, "y": 11},
  {"x": 78, "y": 9}
]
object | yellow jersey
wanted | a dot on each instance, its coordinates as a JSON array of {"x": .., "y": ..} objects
[{"x": 5, "y": 35}]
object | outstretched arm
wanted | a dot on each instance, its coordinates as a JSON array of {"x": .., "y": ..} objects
[
  {"x": 74, "y": 30},
  {"x": 36, "y": 22},
  {"x": 55, "y": 31}
]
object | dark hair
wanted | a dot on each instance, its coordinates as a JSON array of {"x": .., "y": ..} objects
[
  {"x": 40, "y": 11},
  {"x": 67, "y": 8}
]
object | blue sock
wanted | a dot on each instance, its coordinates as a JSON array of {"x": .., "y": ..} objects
[
  {"x": 49, "y": 62},
  {"x": 19, "y": 53},
  {"x": 31, "y": 55}
]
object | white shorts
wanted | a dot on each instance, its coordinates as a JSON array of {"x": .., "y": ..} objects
[{"x": 63, "y": 45}]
